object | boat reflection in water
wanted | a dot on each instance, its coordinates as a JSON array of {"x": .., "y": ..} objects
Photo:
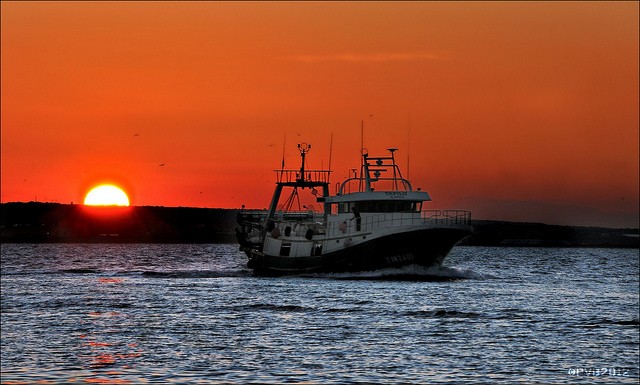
[{"x": 380, "y": 224}]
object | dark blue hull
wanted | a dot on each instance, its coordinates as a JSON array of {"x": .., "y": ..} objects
[{"x": 426, "y": 247}]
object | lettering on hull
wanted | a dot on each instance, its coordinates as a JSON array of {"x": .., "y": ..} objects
[
  {"x": 396, "y": 194},
  {"x": 400, "y": 258}
]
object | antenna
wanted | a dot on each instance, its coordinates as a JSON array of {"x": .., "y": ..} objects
[
  {"x": 361, "y": 135},
  {"x": 284, "y": 146},
  {"x": 330, "y": 153},
  {"x": 408, "y": 147}
]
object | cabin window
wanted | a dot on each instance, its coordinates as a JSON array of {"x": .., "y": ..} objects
[
  {"x": 380, "y": 206},
  {"x": 317, "y": 249},
  {"x": 285, "y": 249}
]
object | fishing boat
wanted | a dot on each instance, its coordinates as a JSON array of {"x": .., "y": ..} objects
[{"x": 375, "y": 220}]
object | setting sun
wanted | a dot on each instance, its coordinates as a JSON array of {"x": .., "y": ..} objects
[{"x": 106, "y": 195}]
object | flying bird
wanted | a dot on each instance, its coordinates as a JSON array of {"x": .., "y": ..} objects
[{"x": 162, "y": 164}]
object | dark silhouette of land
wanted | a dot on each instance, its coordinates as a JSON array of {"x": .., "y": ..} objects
[{"x": 54, "y": 222}]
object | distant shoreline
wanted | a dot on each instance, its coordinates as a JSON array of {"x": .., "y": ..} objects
[{"x": 35, "y": 222}]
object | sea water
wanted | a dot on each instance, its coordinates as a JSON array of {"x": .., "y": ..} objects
[{"x": 121, "y": 313}]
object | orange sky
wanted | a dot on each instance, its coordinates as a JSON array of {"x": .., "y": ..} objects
[{"x": 516, "y": 111}]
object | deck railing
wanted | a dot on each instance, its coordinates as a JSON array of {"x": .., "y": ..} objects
[
  {"x": 299, "y": 223},
  {"x": 371, "y": 223},
  {"x": 290, "y": 176}
]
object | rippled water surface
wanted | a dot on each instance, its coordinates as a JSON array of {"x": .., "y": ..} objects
[{"x": 195, "y": 314}]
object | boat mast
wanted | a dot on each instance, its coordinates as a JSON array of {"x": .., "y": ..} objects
[{"x": 304, "y": 149}]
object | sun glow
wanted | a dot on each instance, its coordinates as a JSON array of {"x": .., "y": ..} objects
[{"x": 106, "y": 195}]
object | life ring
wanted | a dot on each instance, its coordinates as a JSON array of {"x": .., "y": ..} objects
[{"x": 275, "y": 233}]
